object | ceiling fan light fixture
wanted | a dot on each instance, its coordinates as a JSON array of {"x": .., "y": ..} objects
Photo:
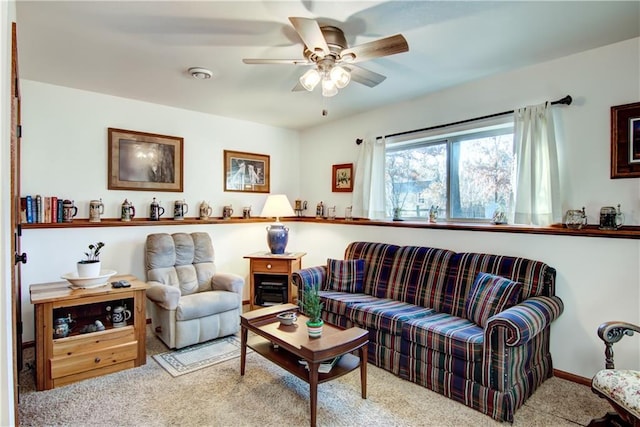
[
  {"x": 200, "y": 73},
  {"x": 340, "y": 76},
  {"x": 329, "y": 88},
  {"x": 310, "y": 79}
]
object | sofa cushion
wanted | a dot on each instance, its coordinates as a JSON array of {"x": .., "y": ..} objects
[
  {"x": 447, "y": 334},
  {"x": 378, "y": 259},
  {"x": 489, "y": 295},
  {"x": 337, "y": 302},
  {"x": 419, "y": 275},
  {"x": 345, "y": 275},
  {"x": 621, "y": 386},
  {"x": 205, "y": 304},
  {"x": 537, "y": 278},
  {"x": 386, "y": 315}
]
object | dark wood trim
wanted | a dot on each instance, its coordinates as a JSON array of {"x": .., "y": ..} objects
[
  {"x": 141, "y": 222},
  {"x": 572, "y": 377}
]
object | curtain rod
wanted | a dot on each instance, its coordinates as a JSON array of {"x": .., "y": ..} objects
[{"x": 565, "y": 101}]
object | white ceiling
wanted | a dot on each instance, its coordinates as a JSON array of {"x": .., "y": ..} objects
[{"x": 142, "y": 49}]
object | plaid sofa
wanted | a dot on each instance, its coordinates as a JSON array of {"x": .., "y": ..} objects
[{"x": 413, "y": 304}]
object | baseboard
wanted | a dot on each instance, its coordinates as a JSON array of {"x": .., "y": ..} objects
[{"x": 572, "y": 377}]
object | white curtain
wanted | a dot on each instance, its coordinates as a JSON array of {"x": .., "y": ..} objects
[
  {"x": 368, "y": 184},
  {"x": 536, "y": 195}
]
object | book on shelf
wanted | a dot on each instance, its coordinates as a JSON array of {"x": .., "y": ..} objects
[
  {"x": 54, "y": 209},
  {"x": 29, "y": 200},
  {"x": 325, "y": 367},
  {"x": 38, "y": 209},
  {"x": 60, "y": 212},
  {"x": 46, "y": 209},
  {"x": 23, "y": 210}
]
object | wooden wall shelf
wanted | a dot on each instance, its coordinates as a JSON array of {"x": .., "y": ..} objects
[{"x": 625, "y": 232}]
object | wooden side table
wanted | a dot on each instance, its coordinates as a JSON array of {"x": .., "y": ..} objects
[
  {"x": 270, "y": 278},
  {"x": 79, "y": 356}
]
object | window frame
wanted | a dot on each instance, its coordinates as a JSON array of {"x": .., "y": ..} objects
[{"x": 448, "y": 136}]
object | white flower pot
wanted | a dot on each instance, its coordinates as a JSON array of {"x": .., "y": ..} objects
[{"x": 89, "y": 269}]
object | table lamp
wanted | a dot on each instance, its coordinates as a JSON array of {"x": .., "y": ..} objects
[{"x": 277, "y": 205}]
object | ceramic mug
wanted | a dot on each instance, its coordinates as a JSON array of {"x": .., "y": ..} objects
[
  {"x": 96, "y": 208},
  {"x": 119, "y": 316},
  {"x": 227, "y": 211},
  {"x": 205, "y": 210},
  {"x": 180, "y": 209},
  {"x": 69, "y": 210}
]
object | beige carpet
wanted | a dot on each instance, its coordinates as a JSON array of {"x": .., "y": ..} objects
[{"x": 269, "y": 396}]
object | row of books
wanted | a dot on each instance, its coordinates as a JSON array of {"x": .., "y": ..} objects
[{"x": 41, "y": 209}]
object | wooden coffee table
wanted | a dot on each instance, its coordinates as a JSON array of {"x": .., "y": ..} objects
[{"x": 287, "y": 345}]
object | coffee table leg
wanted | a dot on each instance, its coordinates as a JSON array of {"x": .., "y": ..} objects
[
  {"x": 313, "y": 390},
  {"x": 243, "y": 348},
  {"x": 363, "y": 370}
]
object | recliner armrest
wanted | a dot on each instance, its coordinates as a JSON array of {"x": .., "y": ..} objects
[
  {"x": 227, "y": 282},
  {"x": 527, "y": 319},
  {"x": 165, "y": 296}
]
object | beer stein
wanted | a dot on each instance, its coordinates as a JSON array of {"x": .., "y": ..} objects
[
  {"x": 575, "y": 218},
  {"x": 320, "y": 210},
  {"x": 348, "y": 213},
  {"x": 128, "y": 211},
  {"x": 246, "y": 212},
  {"x": 69, "y": 210},
  {"x": 155, "y": 210},
  {"x": 180, "y": 209},
  {"x": 205, "y": 210},
  {"x": 119, "y": 316},
  {"x": 611, "y": 218},
  {"x": 331, "y": 212},
  {"x": 96, "y": 208},
  {"x": 433, "y": 213},
  {"x": 227, "y": 211}
]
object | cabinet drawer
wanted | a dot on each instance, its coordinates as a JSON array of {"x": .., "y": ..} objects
[
  {"x": 88, "y": 360},
  {"x": 94, "y": 341},
  {"x": 269, "y": 266}
]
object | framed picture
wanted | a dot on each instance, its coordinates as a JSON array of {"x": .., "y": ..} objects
[
  {"x": 144, "y": 161},
  {"x": 625, "y": 141},
  {"x": 342, "y": 178},
  {"x": 246, "y": 172}
]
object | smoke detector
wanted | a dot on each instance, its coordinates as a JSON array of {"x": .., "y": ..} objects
[{"x": 200, "y": 73}]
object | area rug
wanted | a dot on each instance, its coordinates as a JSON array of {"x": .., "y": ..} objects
[{"x": 199, "y": 356}]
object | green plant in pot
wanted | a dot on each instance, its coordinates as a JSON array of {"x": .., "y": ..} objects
[
  {"x": 90, "y": 266},
  {"x": 312, "y": 308}
]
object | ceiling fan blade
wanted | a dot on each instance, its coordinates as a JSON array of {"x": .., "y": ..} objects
[
  {"x": 364, "y": 76},
  {"x": 375, "y": 49},
  {"x": 298, "y": 87},
  {"x": 276, "y": 61},
  {"x": 311, "y": 35}
]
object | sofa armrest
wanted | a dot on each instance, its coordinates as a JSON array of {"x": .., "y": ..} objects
[
  {"x": 165, "y": 296},
  {"x": 524, "y": 321},
  {"x": 227, "y": 282},
  {"x": 311, "y": 276}
]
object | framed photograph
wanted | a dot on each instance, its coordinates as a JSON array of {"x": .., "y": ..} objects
[
  {"x": 246, "y": 172},
  {"x": 144, "y": 161},
  {"x": 342, "y": 178},
  {"x": 625, "y": 141}
]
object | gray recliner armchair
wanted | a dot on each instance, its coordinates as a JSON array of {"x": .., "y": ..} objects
[{"x": 190, "y": 301}]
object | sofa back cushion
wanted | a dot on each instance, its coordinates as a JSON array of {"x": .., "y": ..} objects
[
  {"x": 345, "y": 275},
  {"x": 537, "y": 278},
  {"x": 378, "y": 261},
  {"x": 419, "y": 276},
  {"x": 182, "y": 260}
]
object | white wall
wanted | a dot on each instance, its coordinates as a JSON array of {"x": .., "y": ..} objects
[{"x": 598, "y": 278}]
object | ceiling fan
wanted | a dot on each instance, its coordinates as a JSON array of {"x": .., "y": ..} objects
[{"x": 333, "y": 61}]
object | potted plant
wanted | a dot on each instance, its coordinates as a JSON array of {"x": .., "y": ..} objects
[
  {"x": 90, "y": 266},
  {"x": 312, "y": 307}
]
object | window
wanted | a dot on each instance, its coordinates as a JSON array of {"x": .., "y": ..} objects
[{"x": 466, "y": 173}]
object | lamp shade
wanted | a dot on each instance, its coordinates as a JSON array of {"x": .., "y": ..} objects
[{"x": 277, "y": 205}]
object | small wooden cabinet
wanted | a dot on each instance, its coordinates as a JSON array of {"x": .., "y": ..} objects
[
  {"x": 270, "y": 278},
  {"x": 79, "y": 356}
]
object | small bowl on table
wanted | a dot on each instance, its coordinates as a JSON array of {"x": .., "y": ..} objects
[{"x": 288, "y": 318}]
